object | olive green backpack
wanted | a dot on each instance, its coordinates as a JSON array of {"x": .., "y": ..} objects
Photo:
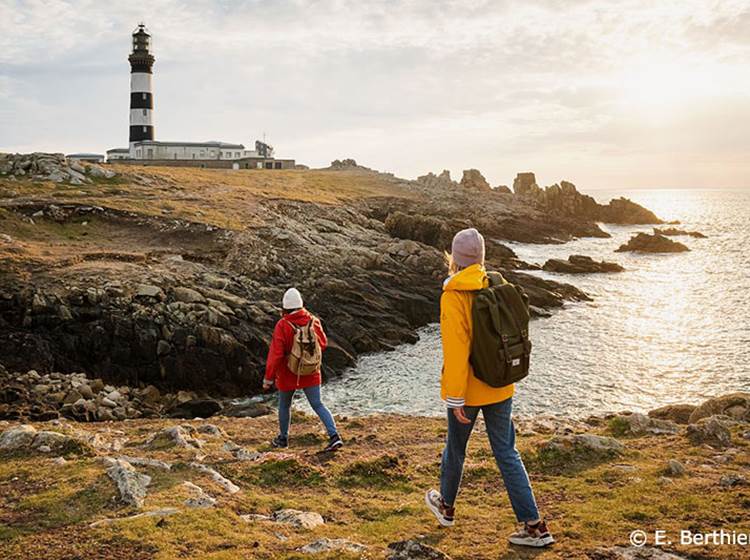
[{"x": 500, "y": 345}]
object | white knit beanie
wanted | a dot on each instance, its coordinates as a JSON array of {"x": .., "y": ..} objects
[{"x": 292, "y": 299}]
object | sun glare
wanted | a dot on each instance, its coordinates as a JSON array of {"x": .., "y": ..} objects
[{"x": 659, "y": 86}]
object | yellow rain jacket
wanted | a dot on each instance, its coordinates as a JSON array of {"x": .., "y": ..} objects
[{"x": 458, "y": 386}]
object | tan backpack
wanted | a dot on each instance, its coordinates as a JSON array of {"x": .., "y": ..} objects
[{"x": 306, "y": 355}]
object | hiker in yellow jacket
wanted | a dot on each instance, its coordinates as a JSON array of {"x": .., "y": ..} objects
[{"x": 465, "y": 395}]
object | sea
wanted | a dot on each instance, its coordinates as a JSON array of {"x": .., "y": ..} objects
[{"x": 672, "y": 328}]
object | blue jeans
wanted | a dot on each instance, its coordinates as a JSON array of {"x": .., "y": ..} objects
[
  {"x": 313, "y": 397},
  {"x": 502, "y": 436}
]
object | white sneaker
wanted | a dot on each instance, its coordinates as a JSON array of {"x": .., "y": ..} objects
[
  {"x": 439, "y": 508},
  {"x": 536, "y": 536}
]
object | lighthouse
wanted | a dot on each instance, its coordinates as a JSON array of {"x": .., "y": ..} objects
[
  {"x": 143, "y": 149},
  {"x": 141, "y": 95}
]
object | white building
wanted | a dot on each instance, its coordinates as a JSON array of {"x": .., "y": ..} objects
[{"x": 87, "y": 157}]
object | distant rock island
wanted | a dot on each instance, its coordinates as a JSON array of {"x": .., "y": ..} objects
[{"x": 657, "y": 243}]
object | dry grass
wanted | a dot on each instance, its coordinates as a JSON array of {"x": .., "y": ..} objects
[
  {"x": 219, "y": 197},
  {"x": 370, "y": 492}
]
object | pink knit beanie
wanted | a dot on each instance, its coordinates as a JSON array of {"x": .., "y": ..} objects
[{"x": 468, "y": 248}]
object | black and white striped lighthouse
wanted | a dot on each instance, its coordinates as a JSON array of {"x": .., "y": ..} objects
[{"x": 141, "y": 96}]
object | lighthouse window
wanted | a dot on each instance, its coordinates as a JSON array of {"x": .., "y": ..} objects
[
  {"x": 144, "y": 129},
  {"x": 143, "y": 96},
  {"x": 144, "y": 112}
]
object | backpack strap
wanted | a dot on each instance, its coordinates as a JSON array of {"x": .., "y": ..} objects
[{"x": 524, "y": 332}]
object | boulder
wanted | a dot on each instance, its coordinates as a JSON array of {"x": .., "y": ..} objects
[
  {"x": 298, "y": 519},
  {"x": 179, "y": 436},
  {"x": 217, "y": 477},
  {"x": 710, "y": 431},
  {"x": 734, "y": 405},
  {"x": 646, "y": 243},
  {"x": 675, "y": 468},
  {"x": 196, "y": 408},
  {"x": 328, "y": 545},
  {"x": 579, "y": 264},
  {"x": 637, "y": 424},
  {"x": 246, "y": 410},
  {"x": 149, "y": 291},
  {"x": 584, "y": 444},
  {"x": 415, "y": 550},
  {"x": 18, "y": 438},
  {"x": 99, "y": 172},
  {"x": 198, "y": 498},
  {"x": 187, "y": 295},
  {"x": 732, "y": 480},
  {"x": 632, "y": 553},
  {"x": 677, "y": 413},
  {"x": 130, "y": 483}
]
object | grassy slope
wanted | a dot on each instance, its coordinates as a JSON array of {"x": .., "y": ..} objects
[
  {"x": 371, "y": 492},
  {"x": 218, "y": 197}
]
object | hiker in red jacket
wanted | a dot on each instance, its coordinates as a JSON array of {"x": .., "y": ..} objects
[{"x": 295, "y": 322}]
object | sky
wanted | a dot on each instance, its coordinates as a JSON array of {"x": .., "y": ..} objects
[{"x": 621, "y": 94}]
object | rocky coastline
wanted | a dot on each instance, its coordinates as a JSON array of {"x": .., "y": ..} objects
[{"x": 172, "y": 277}]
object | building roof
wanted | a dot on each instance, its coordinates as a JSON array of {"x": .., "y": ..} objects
[
  {"x": 210, "y": 144},
  {"x": 119, "y": 151}
]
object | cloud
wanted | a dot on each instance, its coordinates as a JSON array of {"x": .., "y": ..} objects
[{"x": 561, "y": 87}]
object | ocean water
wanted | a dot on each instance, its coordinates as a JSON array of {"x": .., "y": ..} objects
[{"x": 672, "y": 328}]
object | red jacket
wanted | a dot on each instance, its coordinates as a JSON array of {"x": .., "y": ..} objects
[{"x": 281, "y": 346}]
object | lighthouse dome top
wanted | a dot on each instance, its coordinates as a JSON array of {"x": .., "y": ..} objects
[{"x": 141, "y": 38}]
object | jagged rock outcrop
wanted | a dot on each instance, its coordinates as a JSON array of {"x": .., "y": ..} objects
[
  {"x": 579, "y": 264},
  {"x": 564, "y": 199},
  {"x": 474, "y": 180},
  {"x": 646, "y": 243},
  {"x": 347, "y": 164},
  {"x": 442, "y": 181},
  {"x": 525, "y": 185}
]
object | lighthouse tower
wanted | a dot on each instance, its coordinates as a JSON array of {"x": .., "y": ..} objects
[{"x": 141, "y": 96}]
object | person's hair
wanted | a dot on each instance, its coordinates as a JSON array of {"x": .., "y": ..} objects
[{"x": 453, "y": 268}]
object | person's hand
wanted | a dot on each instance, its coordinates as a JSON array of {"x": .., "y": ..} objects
[
  {"x": 267, "y": 384},
  {"x": 460, "y": 415}
]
